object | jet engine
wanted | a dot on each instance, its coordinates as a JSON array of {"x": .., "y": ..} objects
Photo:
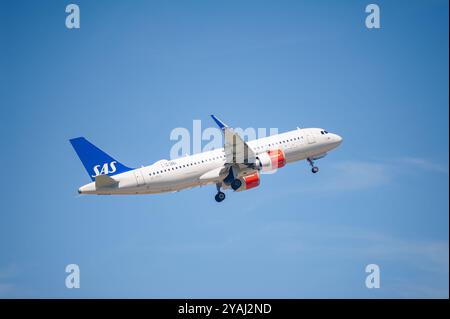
[
  {"x": 249, "y": 181},
  {"x": 270, "y": 160}
]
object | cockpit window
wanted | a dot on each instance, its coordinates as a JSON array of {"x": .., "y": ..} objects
[{"x": 326, "y": 132}]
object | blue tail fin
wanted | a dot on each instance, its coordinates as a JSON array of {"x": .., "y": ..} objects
[{"x": 95, "y": 161}]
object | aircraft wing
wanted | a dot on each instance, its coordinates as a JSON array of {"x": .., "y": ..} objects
[{"x": 236, "y": 149}]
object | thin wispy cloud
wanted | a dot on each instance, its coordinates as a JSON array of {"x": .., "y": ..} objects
[
  {"x": 423, "y": 164},
  {"x": 358, "y": 175},
  {"x": 346, "y": 176},
  {"x": 8, "y": 271},
  {"x": 7, "y": 274},
  {"x": 429, "y": 257},
  {"x": 354, "y": 175},
  {"x": 6, "y": 289}
]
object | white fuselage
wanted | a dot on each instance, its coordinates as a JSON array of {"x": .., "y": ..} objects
[{"x": 203, "y": 168}]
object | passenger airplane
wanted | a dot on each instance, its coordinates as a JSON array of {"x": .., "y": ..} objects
[{"x": 237, "y": 165}]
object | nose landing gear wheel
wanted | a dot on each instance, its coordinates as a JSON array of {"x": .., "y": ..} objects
[
  {"x": 314, "y": 169},
  {"x": 236, "y": 184},
  {"x": 220, "y": 196}
]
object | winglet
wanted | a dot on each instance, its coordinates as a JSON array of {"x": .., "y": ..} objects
[{"x": 221, "y": 124}]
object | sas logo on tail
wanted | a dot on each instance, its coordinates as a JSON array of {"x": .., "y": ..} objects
[{"x": 106, "y": 169}]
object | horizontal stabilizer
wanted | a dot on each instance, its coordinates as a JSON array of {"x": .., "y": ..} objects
[{"x": 102, "y": 181}]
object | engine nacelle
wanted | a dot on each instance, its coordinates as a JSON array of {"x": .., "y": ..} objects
[
  {"x": 249, "y": 181},
  {"x": 270, "y": 160}
]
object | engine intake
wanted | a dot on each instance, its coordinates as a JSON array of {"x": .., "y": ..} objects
[
  {"x": 249, "y": 181},
  {"x": 270, "y": 160}
]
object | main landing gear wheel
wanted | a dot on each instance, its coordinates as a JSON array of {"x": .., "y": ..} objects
[
  {"x": 220, "y": 196},
  {"x": 235, "y": 184}
]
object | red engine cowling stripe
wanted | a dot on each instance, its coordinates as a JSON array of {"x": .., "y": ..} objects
[
  {"x": 278, "y": 159},
  {"x": 251, "y": 180}
]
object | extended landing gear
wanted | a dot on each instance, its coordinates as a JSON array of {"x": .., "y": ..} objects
[
  {"x": 220, "y": 196},
  {"x": 314, "y": 169}
]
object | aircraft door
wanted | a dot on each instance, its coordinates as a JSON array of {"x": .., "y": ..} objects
[
  {"x": 310, "y": 138},
  {"x": 139, "y": 178}
]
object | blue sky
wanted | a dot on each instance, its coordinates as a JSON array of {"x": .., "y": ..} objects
[{"x": 135, "y": 70}]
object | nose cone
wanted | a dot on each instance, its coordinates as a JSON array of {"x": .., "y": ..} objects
[{"x": 336, "y": 140}]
